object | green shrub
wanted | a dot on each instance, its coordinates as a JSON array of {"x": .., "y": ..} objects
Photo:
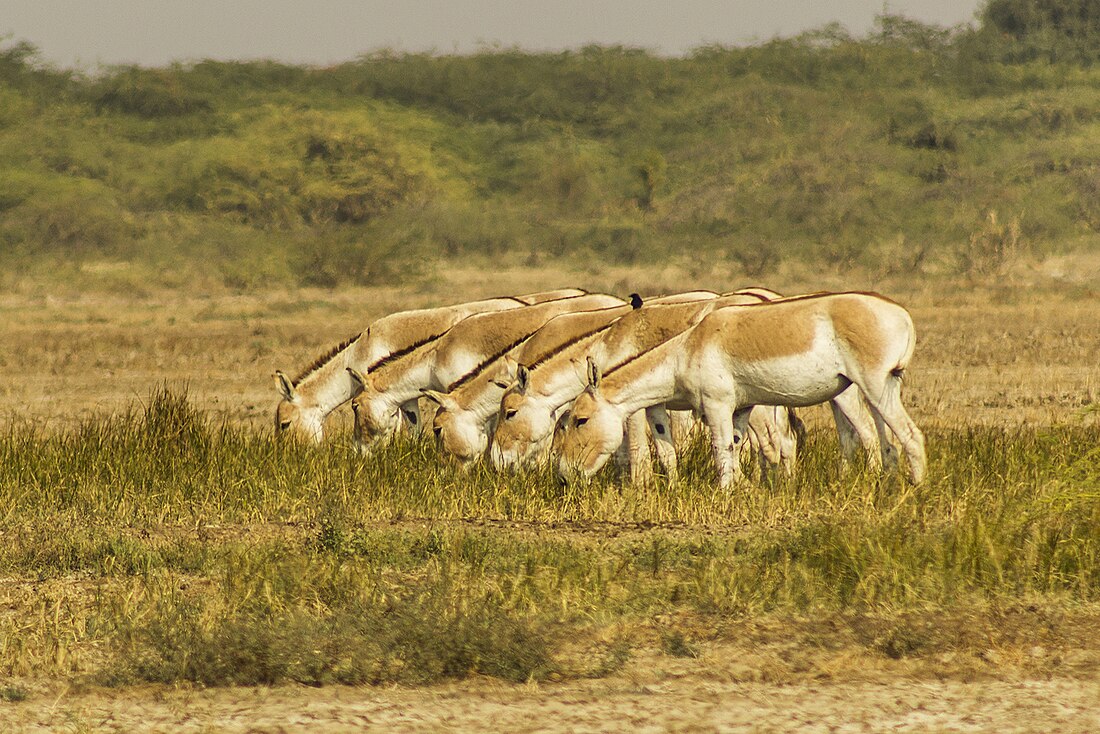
[
  {"x": 291, "y": 168},
  {"x": 816, "y": 149},
  {"x": 62, "y": 214},
  {"x": 149, "y": 93}
]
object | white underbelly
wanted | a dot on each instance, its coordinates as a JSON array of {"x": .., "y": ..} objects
[{"x": 794, "y": 381}]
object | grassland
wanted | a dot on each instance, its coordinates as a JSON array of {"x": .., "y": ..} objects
[
  {"x": 169, "y": 237},
  {"x": 154, "y": 531}
]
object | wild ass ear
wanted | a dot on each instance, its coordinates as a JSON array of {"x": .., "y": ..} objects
[
  {"x": 523, "y": 378},
  {"x": 443, "y": 400},
  {"x": 284, "y": 385},
  {"x": 595, "y": 374},
  {"x": 635, "y": 301},
  {"x": 505, "y": 373},
  {"x": 360, "y": 382}
]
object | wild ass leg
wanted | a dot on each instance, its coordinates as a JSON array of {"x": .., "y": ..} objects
[
  {"x": 784, "y": 437},
  {"x": 641, "y": 468},
  {"x": 741, "y": 430},
  {"x": 771, "y": 431},
  {"x": 761, "y": 440},
  {"x": 855, "y": 427},
  {"x": 661, "y": 425},
  {"x": 621, "y": 457},
  {"x": 683, "y": 426},
  {"x": 727, "y": 437},
  {"x": 886, "y": 407}
]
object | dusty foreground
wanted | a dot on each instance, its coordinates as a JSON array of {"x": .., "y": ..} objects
[{"x": 690, "y": 703}]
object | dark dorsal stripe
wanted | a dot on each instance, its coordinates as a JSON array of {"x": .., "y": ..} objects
[
  {"x": 566, "y": 344},
  {"x": 627, "y": 361},
  {"x": 814, "y": 296},
  {"x": 806, "y": 297},
  {"x": 752, "y": 293},
  {"x": 394, "y": 356},
  {"x": 477, "y": 370},
  {"x": 552, "y": 300},
  {"x": 325, "y": 359},
  {"x": 481, "y": 367}
]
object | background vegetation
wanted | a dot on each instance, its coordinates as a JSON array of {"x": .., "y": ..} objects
[{"x": 912, "y": 148}]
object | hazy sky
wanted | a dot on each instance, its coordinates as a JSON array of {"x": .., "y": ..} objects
[{"x": 86, "y": 33}]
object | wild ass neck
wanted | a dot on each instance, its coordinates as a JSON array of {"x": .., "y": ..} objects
[
  {"x": 327, "y": 386},
  {"x": 646, "y": 380},
  {"x": 561, "y": 378},
  {"x": 402, "y": 379}
]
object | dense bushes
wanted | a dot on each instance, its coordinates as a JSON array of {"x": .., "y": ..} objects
[
  {"x": 1054, "y": 30},
  {"x": 818, "y": 149}
]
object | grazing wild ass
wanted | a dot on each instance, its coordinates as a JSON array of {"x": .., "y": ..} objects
[
  {"x": 380, "y": 393},
  {"x": 325, "y": 385},
  {"x": 463, "y": 422},
  {"x": 530, "y": 406},
  {"x": 795, "y": 352}
]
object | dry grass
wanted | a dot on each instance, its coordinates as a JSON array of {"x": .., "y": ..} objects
[
  {"x": 1022, "y": 351},
  {"x": 134, "y": 554}
]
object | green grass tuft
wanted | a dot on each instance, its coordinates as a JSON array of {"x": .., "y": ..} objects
[{"x": 224, "y": 556}]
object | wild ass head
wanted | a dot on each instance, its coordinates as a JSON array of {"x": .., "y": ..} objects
[
  {"x": 375, "y": 416},
  {"x": 524, "y": 423},
  {"x": 591, "y": 433},
  {"x": 294, "y": 416},
  {"x": 458, "y": 431}
]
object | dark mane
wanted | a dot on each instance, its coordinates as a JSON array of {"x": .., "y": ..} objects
[
  {"x": 485, "y": 363},
  {"x": 477, "y": 370},
  {"x": 812, "y": 296},
  {"x": 752, "y": 293},
  {"x": 393, "y": 356},
  {"x": 565, "y": 345},
  {"x": 625, "y": 362},
  {"x": 582, "y": 294},
  {"x": 324, "y": 359}
]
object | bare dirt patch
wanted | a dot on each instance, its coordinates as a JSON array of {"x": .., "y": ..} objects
[{"x": 663, "y": 700}]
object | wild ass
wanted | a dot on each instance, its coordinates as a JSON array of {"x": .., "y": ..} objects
[
  {"x": 325, "y": 385},
  {"x": 464, "y": 419},
  {"x": 530, "y": 405},
  {"x": 381, "y": 392},
  {"x": 794, "y": 352}
]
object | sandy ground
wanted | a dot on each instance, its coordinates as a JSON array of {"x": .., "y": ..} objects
[{"x": 684, "y": 704}]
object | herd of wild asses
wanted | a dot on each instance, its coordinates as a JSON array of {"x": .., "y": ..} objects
[{"x": 577, "y": 377}]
